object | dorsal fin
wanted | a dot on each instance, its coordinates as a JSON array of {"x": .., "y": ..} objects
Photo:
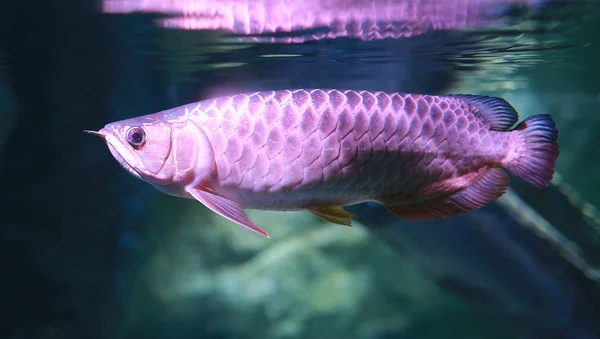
[{"x": 495, "y": 111}]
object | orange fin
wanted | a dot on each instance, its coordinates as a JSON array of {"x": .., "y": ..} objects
[
  {"x": 226, "y": 208},
  {"x": 489, "y": 187},
  {"x": 333, "y": 214}
]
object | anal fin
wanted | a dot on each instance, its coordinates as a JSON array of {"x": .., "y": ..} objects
[
  {"x": 490, "y": 186},
  {"x": 333, "y": 214},
  {"x": 226, "y": 208}
]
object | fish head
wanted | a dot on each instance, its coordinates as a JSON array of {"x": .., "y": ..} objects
[{"x": 167, "y": 154}]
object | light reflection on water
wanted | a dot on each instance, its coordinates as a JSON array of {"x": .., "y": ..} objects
[
  {"x": 241, "y": 42},
  {"x": 301, "y": 21}
]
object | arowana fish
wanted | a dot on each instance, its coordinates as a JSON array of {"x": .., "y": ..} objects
[{"x": 422, "y": 157}]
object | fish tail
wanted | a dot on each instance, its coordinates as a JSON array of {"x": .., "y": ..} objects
[{"x": 537, "y": 159}]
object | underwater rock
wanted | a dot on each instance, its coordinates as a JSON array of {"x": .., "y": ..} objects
[{"x": 311, "y": 279}]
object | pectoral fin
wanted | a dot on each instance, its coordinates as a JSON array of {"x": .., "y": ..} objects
[
  {"x": 226, "y": 208},
  {"x": 333, "y": 214}
]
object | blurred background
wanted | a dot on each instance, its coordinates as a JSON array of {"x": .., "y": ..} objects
[{"x": 88, "y": 251}]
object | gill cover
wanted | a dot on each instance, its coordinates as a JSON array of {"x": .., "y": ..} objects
[{"x": 193, "y": 155}]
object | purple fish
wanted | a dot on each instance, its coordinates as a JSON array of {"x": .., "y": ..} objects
[
  {"x": 422, "y": 157},
  {"x": 260, "y": 20}
]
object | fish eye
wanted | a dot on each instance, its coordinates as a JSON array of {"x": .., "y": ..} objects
[{"x": 136, "y": 137}]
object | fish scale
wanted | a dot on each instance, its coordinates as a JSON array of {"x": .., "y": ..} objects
[
  {"x": 293, "y": 117},
  {"x": 422, "y": 157}
]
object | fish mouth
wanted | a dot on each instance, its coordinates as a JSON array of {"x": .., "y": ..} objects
[
  {"x": 117, "y": 150},
  {"x": 121, "y": 160}
]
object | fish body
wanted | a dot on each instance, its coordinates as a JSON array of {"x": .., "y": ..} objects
[{"x": 421, "y": 156}]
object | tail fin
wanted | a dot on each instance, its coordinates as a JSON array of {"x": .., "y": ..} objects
[{"x": 537, "y": 161}]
